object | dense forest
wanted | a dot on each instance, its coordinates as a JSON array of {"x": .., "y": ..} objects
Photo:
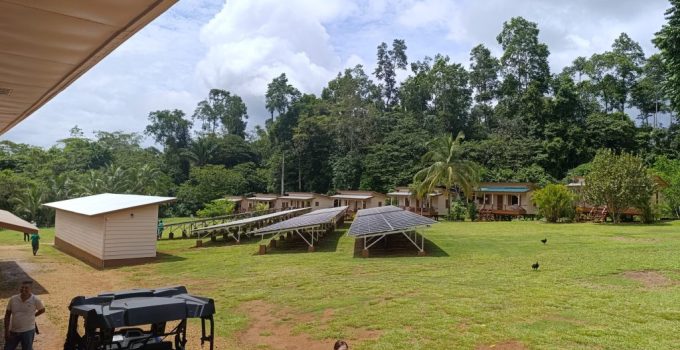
[{"x": 367, "y": 130}]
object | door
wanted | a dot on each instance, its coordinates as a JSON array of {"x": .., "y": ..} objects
[{"x": 499, "y": 202}]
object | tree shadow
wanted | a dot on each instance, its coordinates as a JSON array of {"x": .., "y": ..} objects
[
  {"x": 397, "y": 246},
  {"x": 12, "y": 274}
]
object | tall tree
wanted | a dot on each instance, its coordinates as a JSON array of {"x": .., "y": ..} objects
[
  {"x": 280, "y": 95},
  {"x": 484, "y": 70},
  {"x": 386, "y": 70},
  {"x": 222, "y": 107},
  {"x": 170, "y": 129},
  {"x": 525, "y": 58},
  {"x": 667, "y": 40}
]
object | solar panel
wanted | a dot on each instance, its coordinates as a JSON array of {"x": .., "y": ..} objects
[
  {"x": 385, "y": 209},
  {"x": 249, "y": 220},
  {"x": 384, "y": 220},
  {"x": 315, "y": 218}
]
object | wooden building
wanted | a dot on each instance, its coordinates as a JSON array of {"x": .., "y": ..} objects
[
  {"x": 436, "y": 203},
  {"x": 250, "y": 203},
  {"x": 356, "y": 200},
  {"x": 497, "y": 200},
  {"x": 108, "y": 229},
  {"x": 292, "y": 200}
]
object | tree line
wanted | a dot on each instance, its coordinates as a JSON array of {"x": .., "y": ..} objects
[{"x": 518, "y": 121}]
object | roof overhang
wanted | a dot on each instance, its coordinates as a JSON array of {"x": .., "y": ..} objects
[
  {"x": 262, "y": 199},
  {"x": 12, "y": 222},
  {"x": 46, "y": 45},
  {"x": 352, "y": 196},
  {"x": 504, "y": 189},
  {"x": 107, "y": 203}
]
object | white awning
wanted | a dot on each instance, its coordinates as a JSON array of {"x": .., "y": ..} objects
[{"x": 47, "y": 45}]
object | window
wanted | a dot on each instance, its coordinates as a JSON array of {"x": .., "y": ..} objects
[
  {"x": 447, "y": 203},
  {"x": 316, "y": 204},
  {"x": 514, "y": 200}
]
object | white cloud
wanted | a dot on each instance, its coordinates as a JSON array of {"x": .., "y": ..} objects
[{"x": 241, "y": 45}]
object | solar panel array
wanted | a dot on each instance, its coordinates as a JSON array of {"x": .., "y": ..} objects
[
  {"x": 315, "y": 218},
  {"x": 385, "y": 220},
  {"x": 249, "y": 220}
]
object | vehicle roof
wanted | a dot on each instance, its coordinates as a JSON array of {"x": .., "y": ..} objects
[{"x": 141, "y": 306}]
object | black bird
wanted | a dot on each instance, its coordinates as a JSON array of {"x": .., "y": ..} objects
[
  {"x": 535, "y": 266},
  {"x": 544, "y": 240}
]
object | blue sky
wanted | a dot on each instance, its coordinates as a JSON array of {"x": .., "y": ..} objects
[{"x": 240, "y": 45}]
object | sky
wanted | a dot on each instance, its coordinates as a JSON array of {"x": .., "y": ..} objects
[{"x": 241, "y": 45}]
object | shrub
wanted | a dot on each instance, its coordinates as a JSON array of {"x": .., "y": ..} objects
[
  {"x": 472, "y": 211},
  {"x": 457, "y": 211},
  {"x": 217, "y": 207},
  {"x": 554, "y": 202},
  {"x": 261, "y": 207}
]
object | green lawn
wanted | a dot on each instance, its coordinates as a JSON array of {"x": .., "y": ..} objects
[{"x": 478, "y": 289}]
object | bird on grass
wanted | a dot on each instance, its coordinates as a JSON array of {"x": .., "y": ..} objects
[
  {"x": 544, "y": 240},
  {"x": 535, "y": 266}
]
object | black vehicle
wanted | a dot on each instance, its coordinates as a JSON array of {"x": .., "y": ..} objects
[{"x": 115, "y": 321}]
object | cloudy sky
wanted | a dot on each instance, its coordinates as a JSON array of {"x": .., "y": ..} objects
[{"x": 240, "y": 45}]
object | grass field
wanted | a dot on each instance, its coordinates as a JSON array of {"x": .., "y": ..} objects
[{"x": 599, "y": 286}]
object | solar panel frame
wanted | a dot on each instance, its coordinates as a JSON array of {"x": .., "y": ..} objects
[
  {"x": 313, "y": 219},
  {"x": 386, "y": 221},
  {"x": 249, "y": 220}
]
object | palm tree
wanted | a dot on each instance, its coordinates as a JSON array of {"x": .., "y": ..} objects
[
  {"x": 420, "y": 192},
  {"x": 201, "y": 151},
  {"x": 446, "y": 167},
  {"x": 29, "y": 203}
]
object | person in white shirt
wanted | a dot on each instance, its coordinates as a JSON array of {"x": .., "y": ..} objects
[{"x": 22, "y": 309}]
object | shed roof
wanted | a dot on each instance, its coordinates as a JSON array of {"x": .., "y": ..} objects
[
  {"x": 15, "y": 223},
  {"x": 504, "y": 189},
  {"x": 261, "y": 198},
  {"x": 106, "y": 203},
  {"x": 352, "y": 196}
]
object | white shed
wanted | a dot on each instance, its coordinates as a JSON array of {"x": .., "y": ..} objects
[{"x": 108, "y": 229}]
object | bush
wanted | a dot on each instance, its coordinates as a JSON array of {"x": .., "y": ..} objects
[
  {"x": 217, "y": 207},
  {"x": 457, "y": 211},
  {"x": 261, "y": 206},
  {"x": 554, "y": 202},
  {"x": 472, "y": 211}
]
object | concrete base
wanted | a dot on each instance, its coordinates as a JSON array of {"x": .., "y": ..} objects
[
  {"x": 272, "y": 243},
  {"x": 421, "y": 253},
  {"x": 199, "y": 243},
  {"x": 263, "y": 250},
  {"x": 311, "y": 249},
  {"x": 364, "y": 253}
]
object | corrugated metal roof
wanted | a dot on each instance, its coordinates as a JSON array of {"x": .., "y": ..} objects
[
  {"x": 262, "y": 198},
  {"x": 352, "y": 196},
  {"x": 504, "y": 189},
  {"x": 12, "y": 222},
  {"x": 106, "y": 203}
]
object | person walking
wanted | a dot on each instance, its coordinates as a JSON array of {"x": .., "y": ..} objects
[
  {"x": 159, "y": 233},
  {"x": 35, "y": 242},
  {"x": 20, "y": 326}
]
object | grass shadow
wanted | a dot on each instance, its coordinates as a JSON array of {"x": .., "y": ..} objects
[
  {"x": 12, "y": 275},
  {"x": 398, "y": 246}
]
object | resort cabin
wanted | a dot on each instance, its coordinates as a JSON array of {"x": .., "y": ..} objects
[
  {"x": 238, "y": 203},
  {"x": 293, "y": 200},
  {"x": 108, "y": 229},
  {"x": 250, "y": 203},
  {"x": 505, "y": 199},
  {"x": 357, "y": 200},
  {"x": 436, "y": 203},
  {"x": 586, "y": 211}
]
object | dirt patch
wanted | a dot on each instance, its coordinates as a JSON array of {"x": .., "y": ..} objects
[
  {"x": 272, "y": 327},
  {"x": 635, "y": 240},
  {"x": 650, "y": 279},
  {"x": 506, "y": 345}
]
